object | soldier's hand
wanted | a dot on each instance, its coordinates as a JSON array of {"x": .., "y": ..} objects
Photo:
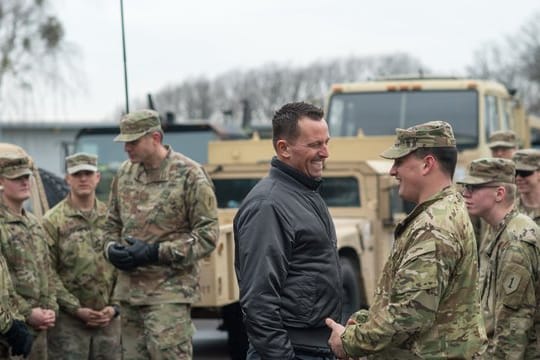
[
  {"x": 120, "y": 257},
  {"x": 19, "y": 339},
  {"x": 88, "y": 316},
  {"x": 41, "y": 319},
  {"x": 105, "y": 317},
  {"x": 143, "y": 253},
  {"x": 335, "y": 338}
]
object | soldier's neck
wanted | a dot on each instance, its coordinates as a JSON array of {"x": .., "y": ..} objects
[
  {"x": 154, "y": 162},
  {"x": 14, "y": 207},
  {"x": 83, "y": 203},
  {"x": 497, "y": 213}
]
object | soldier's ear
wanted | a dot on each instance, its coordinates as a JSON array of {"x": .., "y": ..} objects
[{"x": 429, "y": 161}]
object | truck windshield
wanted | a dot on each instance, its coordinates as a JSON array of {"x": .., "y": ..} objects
[
  {"x": 336, "y": 191},
  {"x": 380, "y": 113}
]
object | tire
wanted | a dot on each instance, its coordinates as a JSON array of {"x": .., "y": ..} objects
[
  {"x": 233, "y": 323},
  {"x": 354, "y": 298},
  {"x": 56, "y": 188}
]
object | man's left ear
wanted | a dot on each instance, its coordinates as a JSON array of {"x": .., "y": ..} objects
[{"x": 282, "y": 149}]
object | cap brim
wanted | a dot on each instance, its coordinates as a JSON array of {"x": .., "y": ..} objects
[
  {"x": 17, "y": 173},
  {"x": 394, "y": 152},
  {"x": 129, "y": 137},
  {"x": 502, "y": 144},
  {"x": 521, "y": 166},
  {"x": 82, "y": 167},
  {"x": 474, "y": 180}
]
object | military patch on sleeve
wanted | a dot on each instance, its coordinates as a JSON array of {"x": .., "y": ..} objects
[{"x": 511, "y": 283}]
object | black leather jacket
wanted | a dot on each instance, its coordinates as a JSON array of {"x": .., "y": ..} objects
[{"x": 286, "y": 263}]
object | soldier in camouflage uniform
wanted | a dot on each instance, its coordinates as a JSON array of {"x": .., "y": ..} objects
[
  {"x": 87, "y": 326},
  {"x": 23, "y": 244},
  {"x": 427, "y": 303},
  {"x": 528, "y": 182},
  {"x": 503, "y": 144},
  {"x": 509, "y": 262},
  {"x": 15, "y": 337},
  {"x": 162, "y": 220}
]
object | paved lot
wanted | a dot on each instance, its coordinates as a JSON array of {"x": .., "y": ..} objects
[{"x": 208, "y": 342}]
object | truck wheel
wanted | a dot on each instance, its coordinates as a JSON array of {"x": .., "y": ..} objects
[
  {"x": 353, "y": 291},
  {"x": 237, "y": 339},
  {"x": 56, "y": 188}
]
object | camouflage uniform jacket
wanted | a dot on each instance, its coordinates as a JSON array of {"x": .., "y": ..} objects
[
  {"x": 533, "y": 213},
  {"x": 84, "y": 277},
  {"x": 427, "y": 303},
  {"x": 24, "y": 246},
  {"x": 174, "y": 206},
  {"x": 7, "y": 308},
  {"x": 510, "y": 288}
]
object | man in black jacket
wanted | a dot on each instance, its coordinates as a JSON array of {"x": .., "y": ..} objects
[{"x": 286, "y": 255}]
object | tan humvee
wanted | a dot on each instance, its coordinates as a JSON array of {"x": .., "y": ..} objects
[
  {"x": 362, "y": 118},
  {"x": 360, "y": 195}
]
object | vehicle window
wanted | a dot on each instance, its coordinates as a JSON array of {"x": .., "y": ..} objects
[
  {"x": 506, "y": 115},
  {"x": 231, "y": 192},
  {"x": 380, "y": 113},
  {"x": 340, "y": 191},
  {"x": 102, "y": 145},
  {"x": 535, "y": 138},
  {"x": 491, "y": 114},
  {"x": 336, "y": 191}
]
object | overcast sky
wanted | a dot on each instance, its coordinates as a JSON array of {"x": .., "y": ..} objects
[{"x": 169, "y": 41}]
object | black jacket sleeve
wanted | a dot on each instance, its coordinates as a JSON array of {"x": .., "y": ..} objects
[{"x": 263, "y": 248}]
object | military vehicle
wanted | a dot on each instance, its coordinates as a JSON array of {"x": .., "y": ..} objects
[{"x": 372, "y": 110}]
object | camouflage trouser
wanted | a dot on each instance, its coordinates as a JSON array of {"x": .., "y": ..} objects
[
  {"x": 39, "y": 348},
  {"x": 71, "y": 339},
  {"x": 157, "y": 332}
]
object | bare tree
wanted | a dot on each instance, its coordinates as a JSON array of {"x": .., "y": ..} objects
[
  {"x": 514, "y": 61},
  {"x": 270, "y": 86},
  {"x": 30, "y": 40}
]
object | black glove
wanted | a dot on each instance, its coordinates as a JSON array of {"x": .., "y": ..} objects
[
  {"x": 142, "y": 253},
  {"x": 19, "y": 338},
  {"x": 120, "y": 257}
]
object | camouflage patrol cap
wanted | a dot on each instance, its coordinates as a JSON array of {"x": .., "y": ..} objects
[
  {"x": 488, "y": 170},
  {"x": 430, "y": 134},
  {"x": 138, "y": 123},
  {"x": 527, "y": 159},
  {"x": 13, "y": 165},
  {"x": 81, "y": 161},
  {"x": 504, "y": 139}
]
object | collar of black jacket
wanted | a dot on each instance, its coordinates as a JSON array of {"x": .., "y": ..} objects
[{"x": 309, "y": 182}]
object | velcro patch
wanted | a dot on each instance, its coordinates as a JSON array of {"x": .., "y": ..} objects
[{"x": 511, "y": 283}]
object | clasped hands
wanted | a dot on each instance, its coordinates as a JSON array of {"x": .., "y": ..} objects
[{"x": 138, "y": 253}]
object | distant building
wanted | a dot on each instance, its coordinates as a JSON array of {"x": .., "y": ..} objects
[{"x": 46, "y": 142}]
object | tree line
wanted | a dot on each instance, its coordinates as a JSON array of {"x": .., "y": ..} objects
[{"x": 33, "y": 47}]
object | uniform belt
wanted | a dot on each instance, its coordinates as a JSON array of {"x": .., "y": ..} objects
[{"x": 312, "y": 340}]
